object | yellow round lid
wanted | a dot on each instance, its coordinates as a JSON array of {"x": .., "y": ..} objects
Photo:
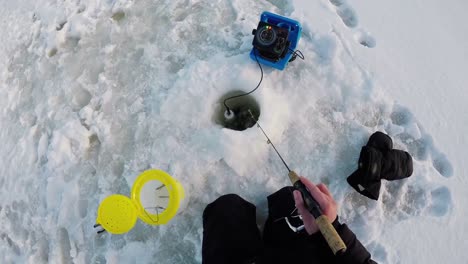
[{"x": 117, "y": 214}]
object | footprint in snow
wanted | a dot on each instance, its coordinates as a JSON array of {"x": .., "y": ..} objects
[
  {"x": 337, "y": 2},
  {"x": 350, "y": 19},
  {"x": 440, "y": 199},
  {"x": 347, "y": 15},
  {"x": 415, "y": 198},
  {"x": 420, "y": 144},
  {"x": 365, "y": 39}
]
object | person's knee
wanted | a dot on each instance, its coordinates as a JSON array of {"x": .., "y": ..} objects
[
  {"x": 231, "y": 199},
  {"x": 226, "y": 203}
]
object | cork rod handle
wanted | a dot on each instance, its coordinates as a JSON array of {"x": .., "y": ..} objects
[{"x": 331, "y": 236}]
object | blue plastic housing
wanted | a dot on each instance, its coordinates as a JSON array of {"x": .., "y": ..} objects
[{"x": 295, "y": 30}]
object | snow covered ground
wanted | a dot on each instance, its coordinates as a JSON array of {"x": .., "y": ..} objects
[{"x": 92, "y": 93}]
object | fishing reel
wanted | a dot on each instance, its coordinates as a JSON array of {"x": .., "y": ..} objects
[{"x": 297, "y": 219}]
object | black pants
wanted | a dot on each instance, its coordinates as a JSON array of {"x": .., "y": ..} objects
[{"x": 230, "y": 233}]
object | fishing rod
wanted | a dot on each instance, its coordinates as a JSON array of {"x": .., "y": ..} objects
[{"x": 326, "y": 228}]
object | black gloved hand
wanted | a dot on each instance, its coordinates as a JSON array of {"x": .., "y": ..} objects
[{"x": 379, "y": 161}]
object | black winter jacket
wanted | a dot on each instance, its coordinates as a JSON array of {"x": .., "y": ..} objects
[{"x": 313, "y": 249}]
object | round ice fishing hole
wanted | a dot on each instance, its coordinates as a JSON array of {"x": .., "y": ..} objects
[{"x": 240, "y": 106}]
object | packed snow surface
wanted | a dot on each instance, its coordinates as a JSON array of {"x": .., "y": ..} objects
[{"x": 93, "y": 93}]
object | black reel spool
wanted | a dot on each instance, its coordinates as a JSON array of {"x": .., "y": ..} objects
[{"x": 271, "y": 41}]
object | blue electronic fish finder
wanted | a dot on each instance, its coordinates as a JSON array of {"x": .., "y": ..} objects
[
  {"x": 274, "y": 44},
  {"x": 275, "y": 40}
]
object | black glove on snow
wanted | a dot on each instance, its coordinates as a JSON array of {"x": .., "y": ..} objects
[{"x": 378, "y": 160}]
